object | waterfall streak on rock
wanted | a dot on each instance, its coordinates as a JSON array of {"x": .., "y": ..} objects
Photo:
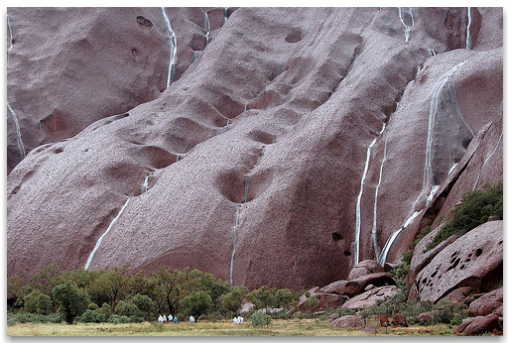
[
  {"x": 234, "y": 245},
  {"x": 226, "y": 13},
  {"x": 17, "y": 131},
  {"x": 358, "y": 204},
  {"x": 437, "y": 105},
  {"x": 374, "y": 230},
  {"x": 171, "y": 37},
  {"x": 261, "y": 155},
  {"x": 384, "y": 254},
  {"x": 207, "y": 27},
  {"x": 195, "y": 55},
  {"x": 98, "y": 243},
  {"x": 487, "y": 160},
  {"x": 407, "y": 19},
  {"x": 468, "y": 32},
  {"x": 431, "y": 52},
  {"x": 145, "y": 186},
  {"x": 177, "y": 158}
]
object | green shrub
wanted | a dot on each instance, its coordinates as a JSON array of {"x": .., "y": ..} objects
[
  {"x": 312, "y": 303},
  {"x": 117, "y": 319},
  {"x": 90, "y": 316},
  {"x": 259, "y": 319},
  {"x": 476, "y": 208},
  {"x": 37, "y": 302},
  {"x": 23, "y": 317}
]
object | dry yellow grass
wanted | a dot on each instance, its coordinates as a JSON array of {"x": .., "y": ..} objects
[{"x": 292, "y": 327}]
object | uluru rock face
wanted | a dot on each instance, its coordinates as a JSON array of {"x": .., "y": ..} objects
[{"x": 298, "y": 143}]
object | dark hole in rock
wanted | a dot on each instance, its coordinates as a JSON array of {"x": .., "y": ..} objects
[
  {"x": 58, "y": 150},
  {"x": 501, "y": 242},
  {"x": 424, "y": 281},
  {"x": 347, "y": 253},
  {"x": 336, "y": 236},
  {"x": 434, "y": 274},
  {"x": 461, "y": 266},
  {"x": 478, "y": 252},
  {"x": 294, "y": 37}
]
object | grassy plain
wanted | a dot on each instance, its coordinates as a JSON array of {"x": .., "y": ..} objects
[{"x": 290, "y": 327}]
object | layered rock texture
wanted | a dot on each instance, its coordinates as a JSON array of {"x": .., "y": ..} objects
[{"x": 276, "y": 146}]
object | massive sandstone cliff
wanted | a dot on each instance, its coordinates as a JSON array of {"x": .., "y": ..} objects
[{"x": 274, "y": 146}]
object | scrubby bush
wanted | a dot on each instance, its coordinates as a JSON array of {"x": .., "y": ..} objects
[
  {"x": 117, "y": 319},
  {"x": 91, "y": 316},
  {"x": 36, "y": 302},
  {"x": 312, "y": 303},
  {"x": 23, "y": 317},
  {"x": 259, "y": 319},
  {"x": 475, "y": 209}
]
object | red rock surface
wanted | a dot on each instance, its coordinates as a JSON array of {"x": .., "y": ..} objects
[
  {"x": 486, "y": 304},
  {"x": 478, "y": 325},
  {"x": 346, "y": 322},
  {"x": 318, "y": 85},
  {"x": 474, "y": 260},
  {"x": 370, "y": 298}
]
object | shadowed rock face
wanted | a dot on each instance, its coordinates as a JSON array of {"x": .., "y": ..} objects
[{"x": 255, "y": 162}]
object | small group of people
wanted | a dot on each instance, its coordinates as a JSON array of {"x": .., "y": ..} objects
[
  {"x": 238, "y": 320},
  {"x": 164, "y": 319}
]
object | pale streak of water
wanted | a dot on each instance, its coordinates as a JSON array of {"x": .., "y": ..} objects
[
  {"x": 374, "y": 230},
  {"x": 17, "y": 131},
  {"x": 384, "y": 254},
  {"x": 195, "y": 55},
  {"x": 468, "y": 32},
  {"x": 234, "y": 245},
  {"x": 207, "y": 27},
  {"x": 428, "y": 175},
  {"x": 431, "y": 52},
  {"x": 358, "y": 204},
  {"x": 226, "y": 12},
  {"x": 171, "y": 37},
  {"x": 405, "y": 14},
  {"x": 145, "y": 186},
  {"x": 98, "y": 243},
  {"x": 487, "y": 160}
]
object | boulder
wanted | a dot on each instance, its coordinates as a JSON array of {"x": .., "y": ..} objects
[
  {"x": 364, "y": 268},
  {"x": 474, "y": 260},
  {"x": 370, "y": 298},
  {"x": 357, "y": 286},
  {"x": 458, "y": 295},
  {"x": 326, "y": 300},
  {"x": 427, "y": 317},
  {"x": 478, "y": 325},
  {"x": 486, "y": 304},
  {"x": 346, "y": 322},
  {"x": 337, "y": 287}
]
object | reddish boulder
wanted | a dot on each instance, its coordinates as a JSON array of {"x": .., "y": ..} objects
[
  {"x": 357, "y": 286},
  {"x": 326, "y": 300},
  {"x": 486, "y": 304},
  {"x": 370, "y": 298},
  {"x": 477, "y": 325},
  {"x": 337, "y": 287},
  {"x": 364, "y": 268},
  {"x": 427, "y": 317},
  {"x": 474, "y": 260},
  {"x": 458, "y": 295},
  {"x": 346, "y": 322}
]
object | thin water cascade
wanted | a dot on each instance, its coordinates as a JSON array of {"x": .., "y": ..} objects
[
  {"x": 98, "y": 243},
  {"x": 207, "y": 27},
  {"x": 468, "y": 32},
  {"x": 246, "y": 192},
  {"x": 195, "y": 56},
  {"x": 17, "y": 131},
  {"x": 145, "y": 186},
  {"x": 177, "y": 158},
  {"x": 245, "y": 107},
  {"x": 171, "y": 37},
  {"x": 443, "y": 114},
  {"x": 391, "y": 239},
  {"x": 407, "y": 19},
  {"x": 431, "y": 52},
  {"x": 226, "y": 14},
  {"x": 374, "y": 229},
  {"x": 10, "y": 38},
  {"x": 358, "y": 204},
  {"x": 234, "y": 245},
  {"x": 487, "y": 160}
]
